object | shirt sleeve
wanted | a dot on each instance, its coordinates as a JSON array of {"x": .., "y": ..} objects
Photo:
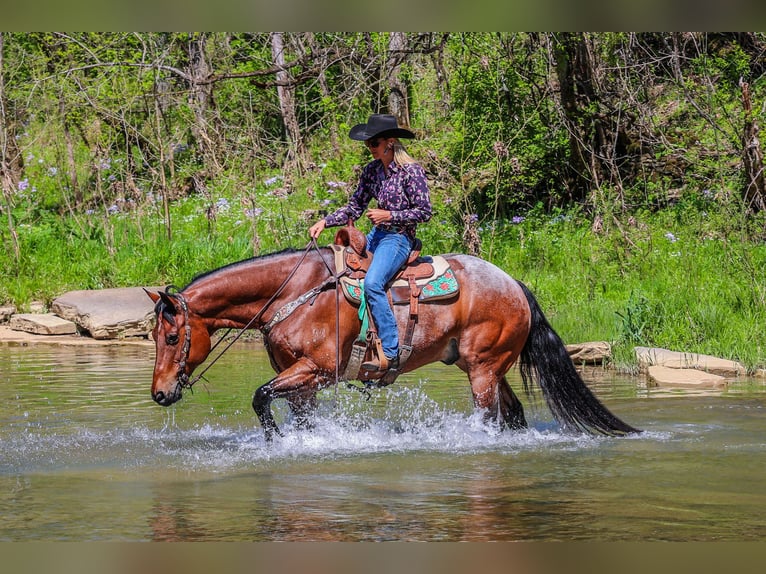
[
  {"x": 358, "y": 201},
  {"x": 415, "y": 188}
]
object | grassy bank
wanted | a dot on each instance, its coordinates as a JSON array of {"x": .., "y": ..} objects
[{"x": 689, "y": 277}]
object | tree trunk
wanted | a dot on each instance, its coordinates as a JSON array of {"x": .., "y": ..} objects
[
  {"x": 286, "y": 93},
  {"x": 327, "y": 95},
  {"x": 437, "y": 58},
  {"x": 755, "y": 184},
  {"x": 398, "y": 101},
  {"x": 591, "y": 137},
  {"x": 564, "y": 51},
  {"x": 71, "y": 161},
  {"x": 202, "y": 103},
  {"x": 9, "y": 155}
]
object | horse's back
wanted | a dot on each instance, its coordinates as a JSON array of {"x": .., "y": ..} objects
[
  {"x": 481, "y": 276},
  {"x": 488, "y": 293}
]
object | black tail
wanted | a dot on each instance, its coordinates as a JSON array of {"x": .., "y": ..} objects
[{"x": 572, "y": 403}]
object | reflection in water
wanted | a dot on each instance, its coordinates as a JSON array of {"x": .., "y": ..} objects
[{"x": 86, "y": 455}]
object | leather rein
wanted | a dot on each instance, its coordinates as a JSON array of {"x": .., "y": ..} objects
[{"x": 281, "y": 314}]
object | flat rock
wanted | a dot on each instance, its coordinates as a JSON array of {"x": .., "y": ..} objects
[
  {"x": 42, "y": 324},
  {"x": 108, "y": 313},
  {"x": 593, "y": 352},
  {"x": 684, "y": 378},
  {"x": 648, "y": 356}
]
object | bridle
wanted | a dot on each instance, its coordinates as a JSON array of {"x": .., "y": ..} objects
[{"x": 183, "y": 378}]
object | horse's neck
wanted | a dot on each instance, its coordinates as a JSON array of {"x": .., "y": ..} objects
[{"x": 234, "y": 295}]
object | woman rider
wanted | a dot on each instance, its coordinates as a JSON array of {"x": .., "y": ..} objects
[{"x": 399, "y": 185}]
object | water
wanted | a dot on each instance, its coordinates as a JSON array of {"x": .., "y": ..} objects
[{"x": 86, "y": 455}]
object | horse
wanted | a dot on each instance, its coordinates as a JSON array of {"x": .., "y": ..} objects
[{"x": 308, "y": 329}]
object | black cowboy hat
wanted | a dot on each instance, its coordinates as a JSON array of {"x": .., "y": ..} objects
[{"x": 381, "y": 125}]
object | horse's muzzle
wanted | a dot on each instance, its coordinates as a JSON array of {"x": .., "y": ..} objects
[{"x": 167, "y": 399}]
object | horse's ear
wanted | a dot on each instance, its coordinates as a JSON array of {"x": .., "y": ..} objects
[
  {"x": 168, "y": 301},
  {"x": 152, "y": 295}
]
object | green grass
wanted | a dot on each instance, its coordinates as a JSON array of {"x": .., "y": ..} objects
[{"x": 648, "y": 283}]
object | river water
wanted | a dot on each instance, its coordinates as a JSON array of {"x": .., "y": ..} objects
[{"x": 86, "y": 455}]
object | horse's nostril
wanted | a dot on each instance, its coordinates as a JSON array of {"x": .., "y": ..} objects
[{"x": 159, "y": 397}]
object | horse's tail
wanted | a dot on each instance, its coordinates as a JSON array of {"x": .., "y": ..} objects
[{"x": 572, "y": 403}]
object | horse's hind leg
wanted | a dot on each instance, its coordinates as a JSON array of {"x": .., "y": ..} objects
[
  {"x": 493, "y": 395},
  {"x": 303, "y": 407},
  {"x": 510, "y": 407}
]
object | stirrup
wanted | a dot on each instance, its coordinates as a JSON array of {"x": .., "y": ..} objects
[{"x": 381, "y": 365}]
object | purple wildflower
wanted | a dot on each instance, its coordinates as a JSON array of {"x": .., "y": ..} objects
[
  {"x": 670, "y": 237},
  {"x": 23, "y": 184},
  {"x": 516, "y": 219},
  {"x": 222, "y": 204}
]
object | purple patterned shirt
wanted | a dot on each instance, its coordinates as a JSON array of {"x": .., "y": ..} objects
[{"x": 404, "y": 193}]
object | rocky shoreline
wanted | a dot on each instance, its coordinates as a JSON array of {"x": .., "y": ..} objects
[{"x": 125, "y": 316}]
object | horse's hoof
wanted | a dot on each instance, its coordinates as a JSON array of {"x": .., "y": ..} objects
[{"x": 270, "y": 431}]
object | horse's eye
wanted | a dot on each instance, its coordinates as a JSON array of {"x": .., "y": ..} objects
[{"x": 172, "y": 339}]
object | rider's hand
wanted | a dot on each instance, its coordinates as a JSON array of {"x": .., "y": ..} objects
[
  {"x": 378, "y": 216},
  {"x": 316, "y": 229}
]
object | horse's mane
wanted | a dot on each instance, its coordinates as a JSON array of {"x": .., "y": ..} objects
[{"x": 234, "y": 265}]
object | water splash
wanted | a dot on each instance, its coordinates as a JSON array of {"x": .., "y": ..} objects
[{"x": 396, "y": 421}]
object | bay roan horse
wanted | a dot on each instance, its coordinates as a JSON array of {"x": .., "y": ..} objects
[{"x": 493, "y": 322}]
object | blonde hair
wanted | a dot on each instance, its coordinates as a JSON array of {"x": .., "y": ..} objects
[{"x": 400, "y": 153}]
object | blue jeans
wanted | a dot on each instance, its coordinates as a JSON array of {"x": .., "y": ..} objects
[{"x": 390, "y": 253}]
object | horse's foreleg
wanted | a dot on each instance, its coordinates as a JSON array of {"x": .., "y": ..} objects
[
  {"x": 262, "y": 407},
  {"x": 298, "y": 384}
]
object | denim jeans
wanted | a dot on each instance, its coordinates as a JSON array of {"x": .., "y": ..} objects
[{"x": 390, "y": 253}]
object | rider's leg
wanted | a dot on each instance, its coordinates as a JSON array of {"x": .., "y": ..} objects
[{"x": 390, "y": 253}]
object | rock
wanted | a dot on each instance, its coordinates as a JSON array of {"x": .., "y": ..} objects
[
  {"x": 684, "y": 378},
  {"x": 108, "y": 313},
  {"x": 42, "y": 324},
  {"x": 648, "y": 356},
  {"x": 594, "y": 352},
  {"x": 37, "y": 307},
  {"x": 5, "y": 313}
]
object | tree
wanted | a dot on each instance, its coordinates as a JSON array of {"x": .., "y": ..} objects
[
  {"x": 752, "y": 156},
  {"x": 202, "y": 102},
  {"x": 579, "y": 97},
  {"x": 398, "y": 100},
  {"x": 297, "y": 155},
  {"x": 10, "y": 156}
]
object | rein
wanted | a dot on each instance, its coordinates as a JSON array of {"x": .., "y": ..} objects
[{"x": 183, "y": 378}]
